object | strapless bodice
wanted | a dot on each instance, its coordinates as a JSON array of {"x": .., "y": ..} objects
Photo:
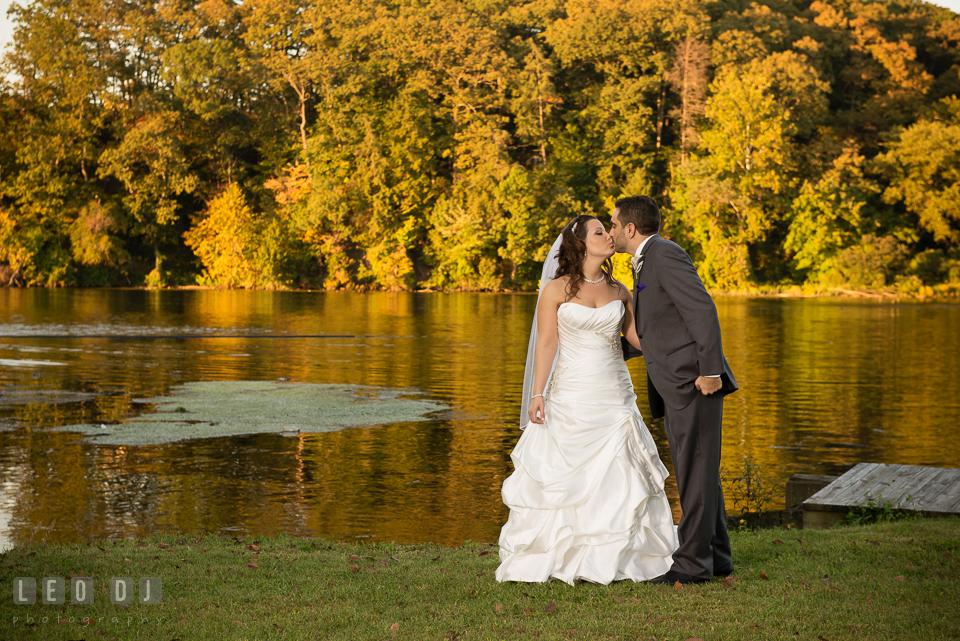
[
  {"x": 585, "y": 330},
  {"x": 590, "y": 356}
]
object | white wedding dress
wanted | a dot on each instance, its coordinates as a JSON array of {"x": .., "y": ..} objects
[{"x": 586, "y": 497}]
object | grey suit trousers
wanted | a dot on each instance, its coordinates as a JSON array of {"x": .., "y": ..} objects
[{"x": 694, "y": 436}]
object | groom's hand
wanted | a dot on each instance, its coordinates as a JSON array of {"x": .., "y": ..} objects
[{"x": 708, "y": 384}]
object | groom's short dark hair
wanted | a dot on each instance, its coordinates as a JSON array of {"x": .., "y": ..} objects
[{"x": 642, "y": 211}]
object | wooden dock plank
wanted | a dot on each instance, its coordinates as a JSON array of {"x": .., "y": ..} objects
[
  {"x": 833, "y": 494},
  {"x": 930, "y": 490},
  {"x": 910, "y": 481},
  {"x": 940, "y": 494},
  {"x": 848, "y": 489}
]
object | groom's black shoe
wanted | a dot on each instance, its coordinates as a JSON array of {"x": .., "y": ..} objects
[
  {"x": 671, "y": 577},
  {"x": 722, "y": 574}
]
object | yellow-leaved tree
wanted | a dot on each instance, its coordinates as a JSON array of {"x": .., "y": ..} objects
[{"x": 237, "y": 248}]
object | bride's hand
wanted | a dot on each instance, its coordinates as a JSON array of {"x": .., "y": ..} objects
[{"x": 536, "y": 411}]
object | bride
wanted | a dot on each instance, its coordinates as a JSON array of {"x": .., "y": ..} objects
[{"x": 586, "y": 497}]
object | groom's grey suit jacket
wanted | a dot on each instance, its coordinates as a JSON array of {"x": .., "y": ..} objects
[{"x": 678, "y": 327}]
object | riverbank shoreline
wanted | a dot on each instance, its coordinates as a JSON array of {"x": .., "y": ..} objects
[
  {"x": 889, "y": 580},
  {"x": 940, "y": 293}
]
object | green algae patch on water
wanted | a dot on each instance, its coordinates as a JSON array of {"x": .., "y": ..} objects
[{"x": 207, "y": 409}]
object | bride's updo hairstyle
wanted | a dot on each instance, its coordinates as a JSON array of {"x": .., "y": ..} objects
[{"x": 573, "y": 251}]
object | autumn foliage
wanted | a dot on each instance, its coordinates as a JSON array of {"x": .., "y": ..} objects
[{"x": 401, "y": 145}]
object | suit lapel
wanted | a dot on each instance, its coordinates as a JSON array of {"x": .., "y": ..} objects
[{"x": 637, "y": 287}]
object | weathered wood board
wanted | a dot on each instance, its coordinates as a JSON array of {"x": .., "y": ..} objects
[{"x": 931, "y": 491}]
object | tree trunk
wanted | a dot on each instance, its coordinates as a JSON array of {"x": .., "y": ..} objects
[
  {"x": 543, "y": 137},
  {"x": 660, "y": 104},
  {"x": 300, "y": 87},
  {"x": 13, "y": 278}
]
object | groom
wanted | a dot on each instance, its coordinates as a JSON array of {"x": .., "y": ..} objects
[{"x": 687, "y": 378}]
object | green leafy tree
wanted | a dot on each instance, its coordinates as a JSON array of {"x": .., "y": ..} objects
[
  {"x": 830, "y": 214},
  {"x": 735, "y": 195},
  {"x": 236, "y": 247},
  {"x": 922, "y": 165},
  {"x": 151, "y": 164}
]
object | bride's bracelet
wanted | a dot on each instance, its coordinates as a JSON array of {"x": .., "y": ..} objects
[{"x": 535, "y": 396}]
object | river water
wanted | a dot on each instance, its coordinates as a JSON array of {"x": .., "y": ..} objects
[{"x": 825, "y": 384}]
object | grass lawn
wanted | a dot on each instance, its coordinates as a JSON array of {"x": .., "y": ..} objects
[{"x": 898, "y": 580}]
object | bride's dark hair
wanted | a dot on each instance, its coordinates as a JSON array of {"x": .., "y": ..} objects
[{"x": 573, "y": 251}]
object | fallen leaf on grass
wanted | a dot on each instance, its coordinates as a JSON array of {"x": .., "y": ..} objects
[
  {"x": 821, "y": 639},
  {"x": 756, "y": 627},
  {"x": 778, "y": 541},
  {"x": 910, "y": 565},
  {"x": 331, "y": 585},
  {"x": 947, "y": 555},
  {"x": 143, "y": 544},
  {"x": 436, "y": 559},
  {"x": 877, "y": 543},
  {"x": 551, "y": 607},
  {"x": 618, "y": 599},
  {"x": 484, "y": 553},
  {"x": 763, "y": 575},
  {"x": 253, "y": 565},
  {"x": 526, "y": 611},
  {"x": 636, "y": 600},
  {"x": 239, "y": 622},
  {"x": 254, "y": 548},
  {"x": 801, "y": 540},
  {"x": 353, "y": 568},
  {"x": 727, "y": 582},
  {"x": 498, "y": 608},
  {"x": 899, "y": 578},
  {"x": 128, "y": 560},
  {"x": 394, "y": 627},
  {"x": 353, "y": 557},
  {"x": 804, "y": 582},
  {"x": 164, "y": 546},
  {"x": 677, "y": 585},
  {"x": 62, "y": 621}
]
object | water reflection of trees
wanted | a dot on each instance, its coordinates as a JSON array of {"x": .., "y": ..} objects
[{"x": 824, "y": 384}]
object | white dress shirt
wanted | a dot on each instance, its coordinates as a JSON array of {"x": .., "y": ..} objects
[{"x": 638, "y": 253}]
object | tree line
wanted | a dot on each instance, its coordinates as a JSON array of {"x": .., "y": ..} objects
[{"x": 410, "y": 144}]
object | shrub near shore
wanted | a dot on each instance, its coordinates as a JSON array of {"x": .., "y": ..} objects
[{"x": 897, "y": 580}]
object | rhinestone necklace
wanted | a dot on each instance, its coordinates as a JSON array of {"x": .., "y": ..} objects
[{"x": 593, "y": 281}]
